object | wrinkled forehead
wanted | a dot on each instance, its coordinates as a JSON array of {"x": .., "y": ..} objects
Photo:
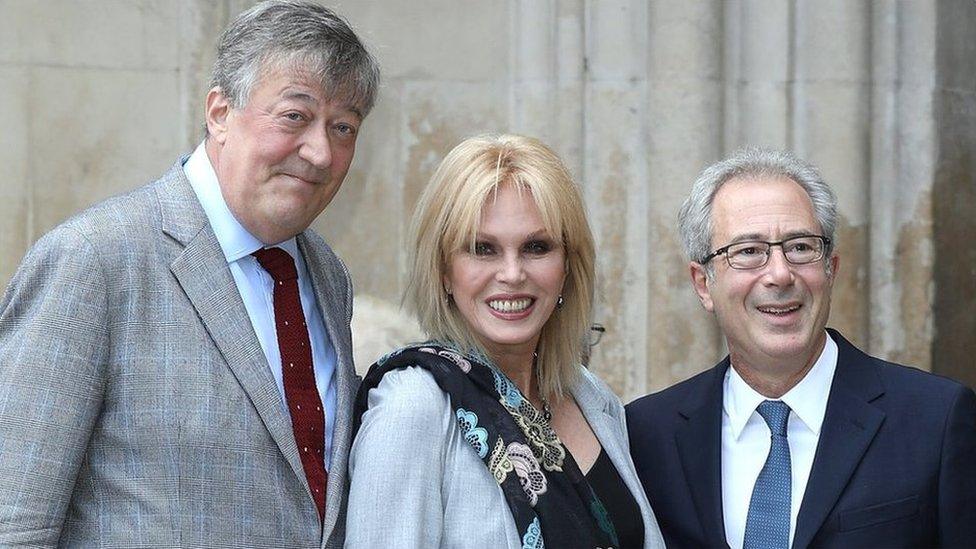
[
  {"x": 761, "y": 207},
  {"x": 315, "y": 73}
]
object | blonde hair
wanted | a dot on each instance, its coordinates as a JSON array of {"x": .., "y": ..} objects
[{"x": 447, "y": 218}]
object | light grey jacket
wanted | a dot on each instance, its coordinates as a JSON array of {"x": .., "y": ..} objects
[
  {"x": 416, "y": 483},
  {"x": 136, "y": 405}
]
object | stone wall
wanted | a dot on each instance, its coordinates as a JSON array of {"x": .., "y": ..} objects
[{"x": 637, "y": 96}]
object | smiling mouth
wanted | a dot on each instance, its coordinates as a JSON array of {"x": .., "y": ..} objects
[
  {"x": 305, "y": 180},
  {"x": 511, "y": 305},
  {"x": 779, "y": 311}
]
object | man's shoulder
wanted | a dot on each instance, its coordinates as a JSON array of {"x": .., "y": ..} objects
[
  {"x": 681, "y": 395},
  {"x": 898, "y": 380},
  {"x": 918, "y": 392},
  {"x": 119, "y": 217}
]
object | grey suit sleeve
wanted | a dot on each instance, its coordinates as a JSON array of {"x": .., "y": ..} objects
[
  {"x": 397, "y": 464},
  {"x": 957, "y": 479},
  {"x": 53, "y": 350}
]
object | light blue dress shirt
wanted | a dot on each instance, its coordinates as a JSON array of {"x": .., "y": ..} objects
[{"x": 257, "y": 289}]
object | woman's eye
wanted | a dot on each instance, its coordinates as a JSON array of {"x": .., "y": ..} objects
[
  {"x": 537, "y": 247},
  {"x": 483, "y": 248}
]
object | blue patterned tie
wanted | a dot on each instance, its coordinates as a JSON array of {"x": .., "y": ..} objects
[{"x": 768, "y": 522}]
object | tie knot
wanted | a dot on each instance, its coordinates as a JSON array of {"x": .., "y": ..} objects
[
  {"x": 777, "y": 414},
  {"x": 278, "y": 263}
]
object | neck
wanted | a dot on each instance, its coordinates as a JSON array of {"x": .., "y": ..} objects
[
  {"x": 520, "y": 368},
  {"x": 772, "y": 377}
]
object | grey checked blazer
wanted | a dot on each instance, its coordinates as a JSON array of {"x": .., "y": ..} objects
[{"x": 136, "y": 405}]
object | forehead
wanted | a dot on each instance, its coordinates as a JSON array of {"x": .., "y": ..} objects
[
  {"x": 296, "y": 81},
  {"x": 763, "y": 207},
  {"x": 510, "y": 207}
]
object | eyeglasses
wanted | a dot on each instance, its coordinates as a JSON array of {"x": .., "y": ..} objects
[
  {"x": 753, "y": 254},
  {"x": 596, "y": 334}
]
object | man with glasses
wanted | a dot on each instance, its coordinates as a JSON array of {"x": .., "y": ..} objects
[{"x": 797, "y": 438}]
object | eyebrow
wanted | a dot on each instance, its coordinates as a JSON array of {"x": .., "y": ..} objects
[
  {"x": 750, "y": 237},
  {"x": 541, "y": 233},
  {"x": 299, "y": 95},
  {"x": 308, "y": 98}
]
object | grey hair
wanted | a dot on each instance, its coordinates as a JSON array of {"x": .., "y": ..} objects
[
  {"x": 695, "y": 217},
  {"x": 292, "y": 34}
]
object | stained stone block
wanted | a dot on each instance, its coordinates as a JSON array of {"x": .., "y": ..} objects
[
  {"x": 833, "y": 39},
  {"x": 14, "y": 157},
  {"x": 442, "y": 40},
  {"x": 102, "y": 132},
  {"x": 129, "y": 34},
  {"x": 683, "y": 38}
]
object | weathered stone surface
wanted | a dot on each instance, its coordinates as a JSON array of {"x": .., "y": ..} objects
[
  {"x": 120, "y": 34},
  {"x": 15, "y": 208},
  {"x": 379, "y": 327},
  {"x": 635, "y": 95},
  {"x": 954, "y": 197},
  {"x": 113, "y": 132}
]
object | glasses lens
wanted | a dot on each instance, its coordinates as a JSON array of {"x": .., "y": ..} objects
[
  {"x": 803, "y": 249},
  {"x": 748, "y": 255}
]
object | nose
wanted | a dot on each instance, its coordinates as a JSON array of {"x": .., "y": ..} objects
[
  {"x": 511, "y": 271},
  {"x": 779, "y": 272},
  {"x": 316, "y": 148}
]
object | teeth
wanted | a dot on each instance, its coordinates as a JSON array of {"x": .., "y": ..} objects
[
  {"x": 510, "y": 305},
  {"x": 779, "y": 310}
]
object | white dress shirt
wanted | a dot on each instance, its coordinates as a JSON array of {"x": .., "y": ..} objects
[
  {"x": 746, "y": 439},
  {"x": 257, "y": 288}
]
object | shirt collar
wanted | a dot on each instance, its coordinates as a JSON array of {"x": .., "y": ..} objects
[
  {"x": 807, "y": 399},
  {"x": 235, "y": 241}
]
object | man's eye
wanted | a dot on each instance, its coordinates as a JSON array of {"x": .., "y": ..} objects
[
  {"x": 799, "y": 247},
  {"x": 346, "y": 129},
  {"x": 749, "y": 250},
  {"x": 295, "y": 116},
  {"x": 483, "y": 248}
]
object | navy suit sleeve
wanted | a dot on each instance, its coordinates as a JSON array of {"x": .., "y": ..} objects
[{"x": 957, "y": 477}]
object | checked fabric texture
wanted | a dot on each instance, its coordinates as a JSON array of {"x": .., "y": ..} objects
[
  {"x": 768, "y": 521},
  {"x": 301, "y": 394}
]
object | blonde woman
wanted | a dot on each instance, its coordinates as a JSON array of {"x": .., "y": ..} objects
[{"x": 492, "y": 434}]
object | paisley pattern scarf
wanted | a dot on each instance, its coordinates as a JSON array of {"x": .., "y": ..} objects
[{"x": 547, "y": 494}]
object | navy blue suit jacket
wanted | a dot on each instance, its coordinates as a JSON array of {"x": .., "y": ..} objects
[{"x": 895, "y": 465}]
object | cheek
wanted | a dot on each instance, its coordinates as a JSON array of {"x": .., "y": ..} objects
[
  {"x": 550, "y": 274},
  {"x": 464, "y": 276}
]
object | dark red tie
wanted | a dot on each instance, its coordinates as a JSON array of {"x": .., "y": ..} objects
[{"x": 307, "y": 417}]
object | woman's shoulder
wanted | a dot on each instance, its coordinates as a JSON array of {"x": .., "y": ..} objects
[
  {"x": 411, "y": 386},
  {"x": 591, "y": 386}
]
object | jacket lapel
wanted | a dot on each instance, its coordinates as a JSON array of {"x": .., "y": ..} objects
[
  {"x": 849, "y": 426},
  {"x": 699, "y": 444},
  {"x": 203, "y": 274},
  {"x": 322, "y": 268}
]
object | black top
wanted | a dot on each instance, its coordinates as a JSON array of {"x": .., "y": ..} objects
[{"x": 620, "y": 503}]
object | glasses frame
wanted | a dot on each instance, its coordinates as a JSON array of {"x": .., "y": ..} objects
[{"x": 724, "y": 251}]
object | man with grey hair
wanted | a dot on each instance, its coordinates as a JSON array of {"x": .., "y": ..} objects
[
  {"x": 796, "y": 438},
  {"x": 176, "y": 363}
]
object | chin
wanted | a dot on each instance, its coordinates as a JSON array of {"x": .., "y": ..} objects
[{"x": 787, "y": 346}]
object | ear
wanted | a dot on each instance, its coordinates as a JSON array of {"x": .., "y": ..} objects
[
  {"x": 217, "y": 111},
  {"x": 699, "y": 279},
  {"x": 446, "y": 283},
  {"x": 834, "y": 267}
]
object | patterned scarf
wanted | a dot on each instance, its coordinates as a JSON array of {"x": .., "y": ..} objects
[{"x": 547, "y": 494}]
